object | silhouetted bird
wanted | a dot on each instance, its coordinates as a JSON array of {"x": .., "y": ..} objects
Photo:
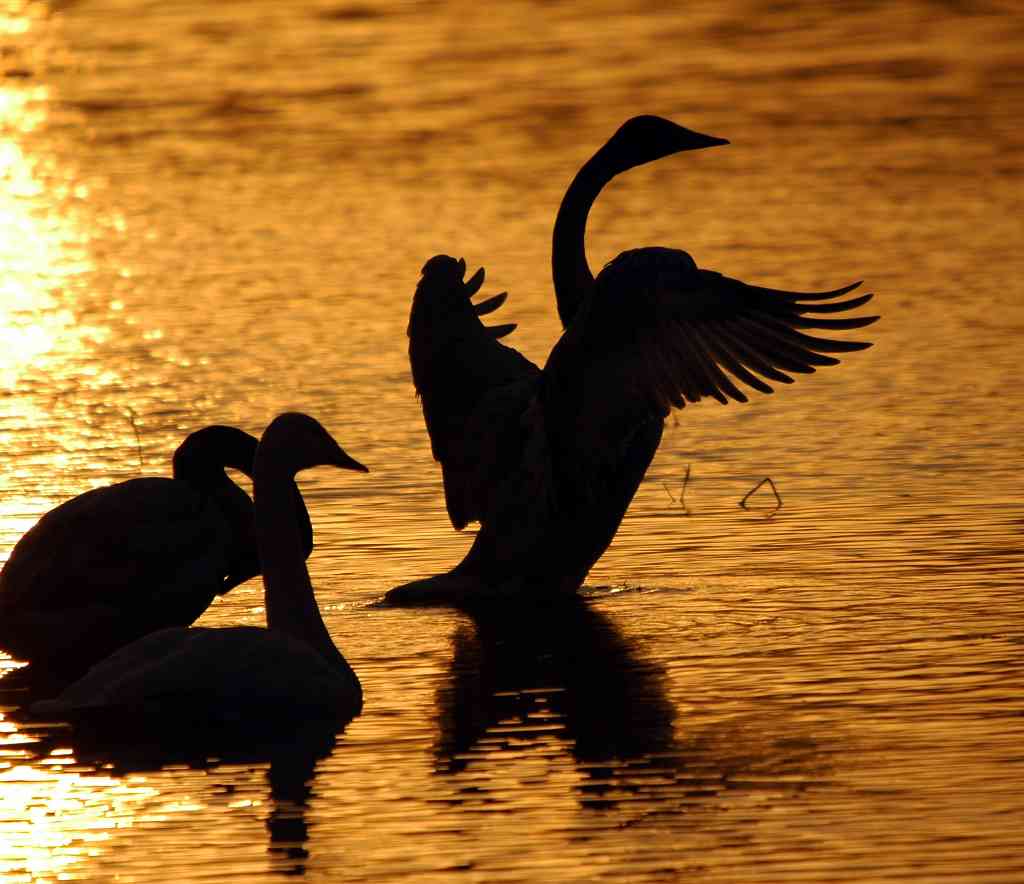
[
  {"x": 548, "y": 461},
  {"x": 116, "y": 563},
  {"x": 244, "y": 676}
]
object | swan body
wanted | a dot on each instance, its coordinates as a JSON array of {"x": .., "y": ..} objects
[
  {"x": 206, "y": 677},
  {"x": 237, "y": 675},
  {"x": 118, "y": 562},
  {"x": 548, "y": 460}
]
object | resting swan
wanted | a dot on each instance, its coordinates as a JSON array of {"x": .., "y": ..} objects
[
  {"x": 547, "y": 461},
  {"x": 244, "y": 674},
  {"x": 116, "y": 563}
]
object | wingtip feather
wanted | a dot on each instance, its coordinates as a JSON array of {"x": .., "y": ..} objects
[
  {"x": 472, "y": 285},
  {"x": 490, "y": 304},
  {"x": 499, "y": 331}
]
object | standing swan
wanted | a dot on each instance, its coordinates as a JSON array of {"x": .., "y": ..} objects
[
  {"x": 113, "y": 564},
  {"x": 548, "y": 461},
  {"x": 241, "y": 675}
]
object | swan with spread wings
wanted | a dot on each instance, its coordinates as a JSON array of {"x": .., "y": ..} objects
[{"x": 548, "y": 460}]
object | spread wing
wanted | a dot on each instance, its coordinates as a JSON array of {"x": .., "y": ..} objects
[
  {"x": 659, "y": 333},
  {"x": 473, "y": 388}
]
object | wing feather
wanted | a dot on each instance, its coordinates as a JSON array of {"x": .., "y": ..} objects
[
  {"x": 749, "y": 353},
  {"x": 658, "y": 332},
  {"x": 836, "y": 307},
  {"x": 719, "y": 349},
  {"x": 759, "y": 291},
  {"x": 471, "y": 386},
  {"x": 852, "y": 322},
  {"x": 785, "y": 332},
  {"x": 777, "y": 347},
  {"x": 703, "y": 366},
  {"x": 713, "y": 357}
]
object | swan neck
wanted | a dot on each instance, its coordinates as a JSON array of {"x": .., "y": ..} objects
[
  {"x": 288, "y": 593},
  {"x": 572, "y": 277}
]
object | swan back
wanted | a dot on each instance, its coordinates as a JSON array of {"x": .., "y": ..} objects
[
  {"x": 112, "y": 564},
  {"x": 231, "y": 673}
]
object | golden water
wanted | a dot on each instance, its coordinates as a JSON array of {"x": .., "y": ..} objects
[{"x": 216, "y": 212}]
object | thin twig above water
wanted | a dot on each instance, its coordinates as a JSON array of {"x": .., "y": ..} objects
[
  {"x": 775, "y": 491},
  {"x": 682, "y": 492},
  {"x": 130, "y": 413}
]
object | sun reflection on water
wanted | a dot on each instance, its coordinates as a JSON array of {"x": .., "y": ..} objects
[
  {"x": 51, "y": 817},
  {"x": 41, "y": 252},
  {"x": 839, "y": 682},
  {"x": 50, "y": 327}
]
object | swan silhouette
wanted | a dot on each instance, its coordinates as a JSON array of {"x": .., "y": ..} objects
[
  {"x": 116, "y": 563},
  {"x": 547, "y": 461},
  {"x": 201, "y": 678}
]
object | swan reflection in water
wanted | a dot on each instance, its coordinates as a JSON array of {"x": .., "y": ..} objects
[
  {"x": 559, "y": 667},
  {"x": 234, "y": 764},
  {"x": 521, "y": 671}
]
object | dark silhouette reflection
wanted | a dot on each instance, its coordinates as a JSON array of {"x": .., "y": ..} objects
[
  {"x": 291, "y": 787},
  {"x": 292, "y": 748},
  {"x": 560, "y": 665},
  {"x": 558, "y": 668},
  {"x": 548, "y": 460}
]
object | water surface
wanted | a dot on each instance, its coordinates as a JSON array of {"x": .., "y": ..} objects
[{"x": 215, "y": 213}]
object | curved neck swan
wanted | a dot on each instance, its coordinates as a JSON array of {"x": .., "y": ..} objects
[
  {"x": 204, "y": 455},
  {"x": 638, "y": 141}
]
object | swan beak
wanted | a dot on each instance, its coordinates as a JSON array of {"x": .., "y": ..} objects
[
  {"x": 490, "y": 305},
  {"x": 698, "y": 140},
  {"x": 475, "y": 281},
  {"x": 346, "y": 462}
]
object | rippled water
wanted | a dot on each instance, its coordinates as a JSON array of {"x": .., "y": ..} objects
[{"x": 212, "y": 213}]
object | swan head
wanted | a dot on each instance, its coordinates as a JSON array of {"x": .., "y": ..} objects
[
  {"x": 209, "y": 450},
  {"x": 294, "y": 442},
  {"x": 647, "y": 138}
]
